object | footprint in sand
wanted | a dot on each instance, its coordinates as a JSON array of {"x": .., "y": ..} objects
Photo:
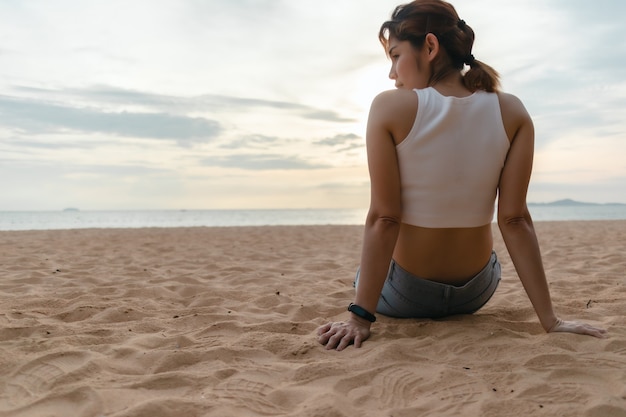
[
  {"x": 38, "y": 376},
  {"x": 250, "y": 394}
]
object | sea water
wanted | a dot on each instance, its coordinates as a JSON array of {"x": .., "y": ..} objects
[{"x": 75, "y": 219}]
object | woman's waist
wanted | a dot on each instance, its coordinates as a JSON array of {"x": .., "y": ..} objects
[{"x": 449, "y": 255}]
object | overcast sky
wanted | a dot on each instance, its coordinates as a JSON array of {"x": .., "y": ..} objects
[{"x": 172, "y": 104}]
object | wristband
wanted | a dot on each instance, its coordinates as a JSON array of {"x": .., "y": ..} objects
[{"x": 361, "y": 312}]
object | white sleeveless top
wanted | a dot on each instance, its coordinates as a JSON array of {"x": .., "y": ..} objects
[{"x": 451, "y": 160}]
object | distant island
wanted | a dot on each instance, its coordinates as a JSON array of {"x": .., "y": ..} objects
[
  {"x": 570, "y": 202},
  {"x": 70, "y": 209}
]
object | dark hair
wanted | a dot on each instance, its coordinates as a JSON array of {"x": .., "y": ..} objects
[{"x": 413, "y": 21}]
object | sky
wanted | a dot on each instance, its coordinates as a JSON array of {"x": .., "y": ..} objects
[{"x": 253, "y": 104}]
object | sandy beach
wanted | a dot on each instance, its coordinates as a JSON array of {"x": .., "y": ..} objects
[{"x": 221, "y": 322}]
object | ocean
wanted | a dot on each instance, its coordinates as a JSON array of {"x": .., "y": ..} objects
[{"x": 74, "y": 219}]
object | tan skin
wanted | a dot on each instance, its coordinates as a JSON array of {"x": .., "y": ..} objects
[{"x": 447, "y": 255}]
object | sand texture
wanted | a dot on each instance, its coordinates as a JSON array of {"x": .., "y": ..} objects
[{"x": 221, "y": 322}]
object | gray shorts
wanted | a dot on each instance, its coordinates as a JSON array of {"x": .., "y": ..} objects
[{"x": 406, "y": 296}]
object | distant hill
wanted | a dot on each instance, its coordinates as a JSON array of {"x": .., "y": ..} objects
[{"x": 570, "y": 202}]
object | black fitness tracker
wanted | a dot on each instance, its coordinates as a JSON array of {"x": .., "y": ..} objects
[{"x": 361, "y": 312}]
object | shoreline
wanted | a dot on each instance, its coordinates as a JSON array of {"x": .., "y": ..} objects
[{"x": 494, "y": 225}]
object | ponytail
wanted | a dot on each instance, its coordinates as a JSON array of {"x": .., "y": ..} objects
[{"x": 481, "y": 76}]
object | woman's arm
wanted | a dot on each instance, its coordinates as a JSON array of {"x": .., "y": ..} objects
[
  {"x": 515, "y": 222},
  {"x": 382, "y": 224}
]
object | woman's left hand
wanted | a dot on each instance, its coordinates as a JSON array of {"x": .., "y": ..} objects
[
  {"x": 577, "y": 327},
  {"x": 339, "y": 335}
]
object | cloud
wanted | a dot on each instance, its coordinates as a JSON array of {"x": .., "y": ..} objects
[
  {"x": 257, "y": 162},
  {"x": 327, "y": 115},
  {"x": 179, "y": 104},
  {"x": 56, "y": 145},
  {"x": 355, "y": 186},
  {"x": 253, "y": 141},
  {"x": 346, "y": 142},
  {"x": 44, "y": 169},
  {"x": 44, "y": 117},
  {"x": 343, "y": 139}
]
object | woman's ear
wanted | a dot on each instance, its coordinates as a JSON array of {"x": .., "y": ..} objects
[{"x": 431, "y": 44}]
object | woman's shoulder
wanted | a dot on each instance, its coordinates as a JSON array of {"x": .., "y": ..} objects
[
  {"x": 511, "y": 106},
  {"x": 514, "y": 114},
  {"x": 395, "y": 112},
  {"x": 398, "y": 95},
  {"x": 395, "y": 102}
]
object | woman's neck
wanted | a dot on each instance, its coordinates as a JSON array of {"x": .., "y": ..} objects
[{"x": 452, "y": 85}]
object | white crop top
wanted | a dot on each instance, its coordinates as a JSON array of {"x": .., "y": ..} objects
[{"x": 451, "y": 160}]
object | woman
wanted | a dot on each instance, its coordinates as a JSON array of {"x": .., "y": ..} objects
[{"x": 440, "y": 148}]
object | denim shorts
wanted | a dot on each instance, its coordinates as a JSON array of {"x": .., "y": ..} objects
[{"x": 405, "y": 295}]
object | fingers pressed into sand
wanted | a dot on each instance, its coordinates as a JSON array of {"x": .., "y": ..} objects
[
  {"x": 579, "y": 328},
  {"x": 323, "y": 329},
  {"x": 340, "y": 335}
]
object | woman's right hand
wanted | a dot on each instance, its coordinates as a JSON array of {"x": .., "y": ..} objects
[
  {"x": 340, "y": 335},
  {"x": 577, "y": 327}
]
